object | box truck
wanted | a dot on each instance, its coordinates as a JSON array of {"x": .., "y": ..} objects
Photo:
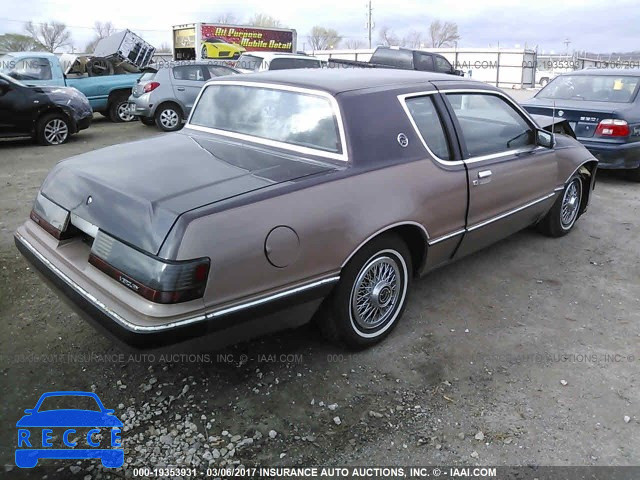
[{"x": 201, "y": 41}]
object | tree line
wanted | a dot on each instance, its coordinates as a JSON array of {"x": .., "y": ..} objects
[{"x": 53, "y": 36}]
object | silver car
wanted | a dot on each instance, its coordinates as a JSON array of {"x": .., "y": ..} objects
[{"x": 164, "y": 97}]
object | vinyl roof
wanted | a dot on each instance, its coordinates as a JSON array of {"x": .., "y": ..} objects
[{"x": 336, "y": 80}]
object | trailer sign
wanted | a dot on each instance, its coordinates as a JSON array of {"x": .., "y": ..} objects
[
  {"x": 251, "y": 38},
  {"x": 228, "y": 42}
]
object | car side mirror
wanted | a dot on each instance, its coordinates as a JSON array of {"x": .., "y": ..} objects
[
  {"x": 29, "y": 411},
  {"x": 459, "y": 72},
  {"x": 544, "y": 138}
]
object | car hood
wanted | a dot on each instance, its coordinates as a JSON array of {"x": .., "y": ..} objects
[
  {"x": 138, "y": 190},
  {"x": 69, "y": 418},
  {"x": 70, "y": 99}
]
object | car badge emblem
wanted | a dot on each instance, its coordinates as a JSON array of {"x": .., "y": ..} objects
[
  {"x": 403, "y": 140},
  {"x": 89, "y": 200},
  {"x": 560, "y": 113}
]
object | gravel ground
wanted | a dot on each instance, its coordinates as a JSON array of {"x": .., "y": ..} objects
[{"x": 524, "y": 353}]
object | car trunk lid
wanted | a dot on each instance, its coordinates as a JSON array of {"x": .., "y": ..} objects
[
  {"x": 136, "y": 191},
  {"x": 583, "y": 116}
]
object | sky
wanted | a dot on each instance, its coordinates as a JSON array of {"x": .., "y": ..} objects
[{"x": 591, "y": 25}]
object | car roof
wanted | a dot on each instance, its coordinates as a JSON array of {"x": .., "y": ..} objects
[
  {"x": 337, "y": 80},
  {"x": 31, "y": 54},
  {"x": 270, "y": 55},
  {"x": 633, "y": 72}
]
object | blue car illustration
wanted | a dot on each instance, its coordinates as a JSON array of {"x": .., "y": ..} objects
[{"x": 36, "y": 438}]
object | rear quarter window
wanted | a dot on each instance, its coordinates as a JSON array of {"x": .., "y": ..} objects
[{"x": 424, "y": 114}]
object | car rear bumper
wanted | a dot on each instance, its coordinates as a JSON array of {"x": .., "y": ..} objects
[
  {"x": 141, "y": 106},
  {"x": 614, "y": 156},
  {"x": 208, "y": 330}
]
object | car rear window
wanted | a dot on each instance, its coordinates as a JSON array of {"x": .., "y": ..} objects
[
  {"x": 249, "y": 62},
  {"x": 290, "y": 117},
  {"x": 286, "y": 63},
  {"x": 148, "y": 76},
  {"x": 592, "y": 88}
]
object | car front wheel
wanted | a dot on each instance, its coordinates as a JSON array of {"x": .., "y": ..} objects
[
  {"x": 205, "y": 54},
  {"x": 371, "y": 294},
  {"x": 168, "y": 117},
  {"x": 53, "y": 129},
  {"x": 563, "y": 215}
]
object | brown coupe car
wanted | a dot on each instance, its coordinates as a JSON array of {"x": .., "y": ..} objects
[{"x": 298, "y": 190}]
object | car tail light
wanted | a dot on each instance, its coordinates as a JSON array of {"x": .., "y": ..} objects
[
  {"x": 613, "y": 127},
  {"x": 51, "y": 217},
  {"x": 150, "y": 87},
  {"x": 156, "y": 279}
]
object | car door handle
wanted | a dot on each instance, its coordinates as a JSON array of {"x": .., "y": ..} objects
[
  {"x": 180, "y": 89},
  {"x": 484, "y": 176}
]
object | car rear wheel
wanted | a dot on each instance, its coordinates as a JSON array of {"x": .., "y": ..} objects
[
  {"x": 53, "y": 129},
  {"x": 147, "y": 121},
  {"x": 563, "y": 215},
  {"x": 119, "y": 109},
  {"x": 168, "y": 117},
  {"x": 371, "y": 294}
]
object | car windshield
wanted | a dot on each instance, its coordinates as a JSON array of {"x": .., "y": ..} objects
[
  {"x": 69, "y": 402},
  {"x": 295, "y": 118},
  {"x": 249, "y": 62},
  {"x": 592, "y": 88},
  {"x": 11, "y": 80},
  {"x": 215, "y": 40}
]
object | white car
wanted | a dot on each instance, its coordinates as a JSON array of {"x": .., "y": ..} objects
[{"x": 262, "y": 61}]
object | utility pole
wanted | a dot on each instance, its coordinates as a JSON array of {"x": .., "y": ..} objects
[{"x": 369, "y": 21}]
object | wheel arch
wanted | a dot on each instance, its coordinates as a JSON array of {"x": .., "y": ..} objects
[
  {"x": 49, "y": 109},
  {"x": 413, "y": 234},
  {"x": 117, "y": 92},
  {"x": 587, "y": 172}
]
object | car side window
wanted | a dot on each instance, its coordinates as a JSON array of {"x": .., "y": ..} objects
[
  {"x": 219, "y": 71},
  {"x": 442, "y": 64},
  {"x": 489, "y": 124},
  {"x": 32, "y": 69},
  {"x": 423, "y": 62},
  {"x": 189, "y": 72},
  {"x": 424, "y": 114}
]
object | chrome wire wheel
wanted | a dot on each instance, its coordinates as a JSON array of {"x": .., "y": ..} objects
[
  {"x": 378, "y": 292},
  {"x": 56, "y": 131},
  {"x": 571, "y": 204},
  {"x": 124, "y": 113},
  {"x": 169, "y": 118}
]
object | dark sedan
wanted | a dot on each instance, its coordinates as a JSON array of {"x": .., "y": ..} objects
[
  {"x": 48, "y": 114},
  {"x": 603, "y": 108}
]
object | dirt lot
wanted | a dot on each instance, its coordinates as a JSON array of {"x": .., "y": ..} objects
[{"x": 524, "y": 353}]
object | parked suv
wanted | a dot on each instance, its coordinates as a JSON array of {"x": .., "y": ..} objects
[{"x": 164, "y": 97}]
